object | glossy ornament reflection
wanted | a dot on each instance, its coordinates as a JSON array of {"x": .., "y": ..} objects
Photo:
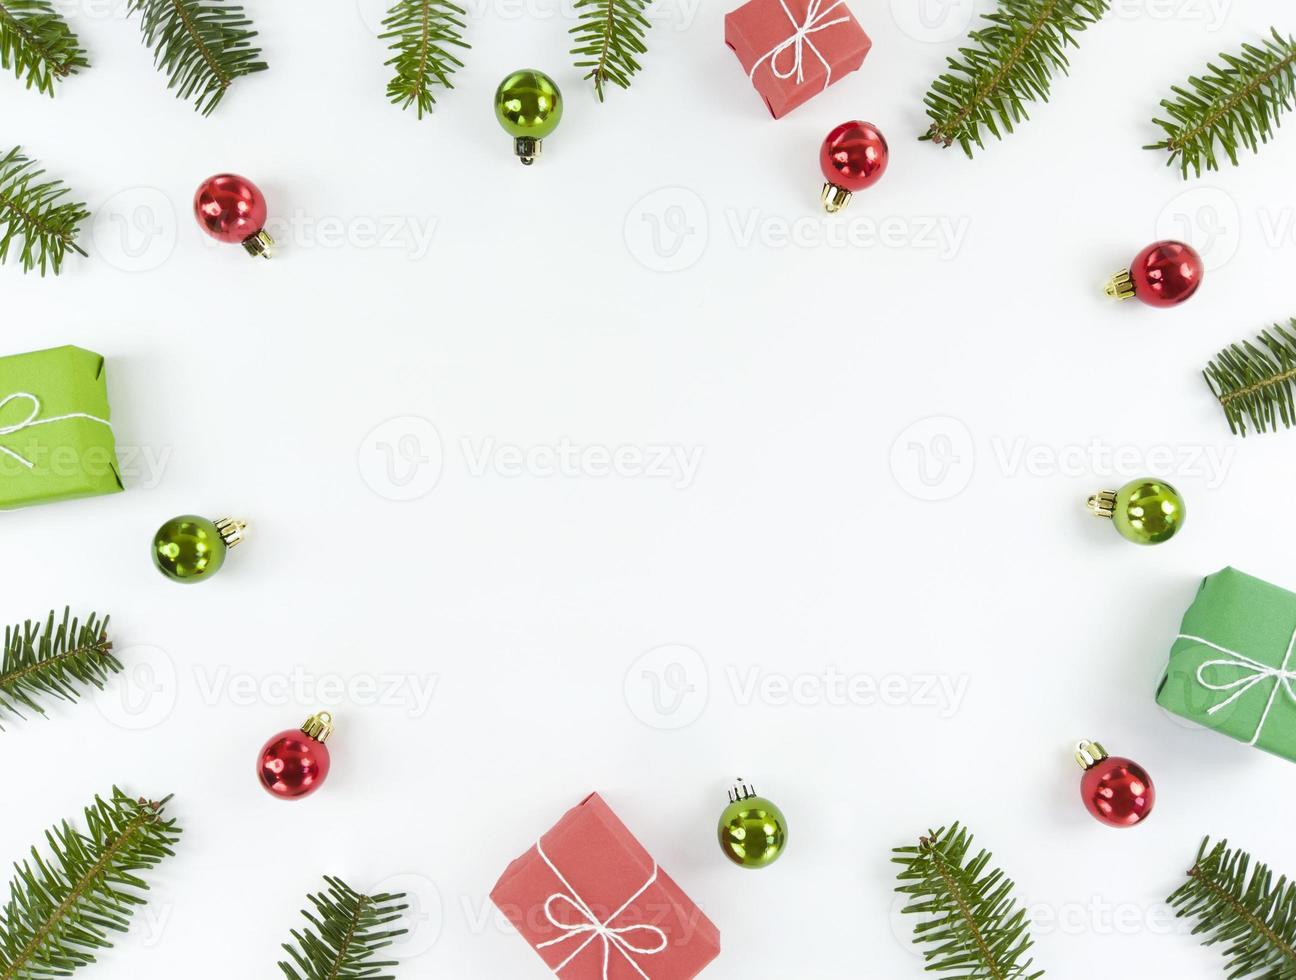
[
  {"x": 232, "y": 209},
  {"x": 853, "y": 157},
  {"x": 1164, "y": 274},
  {"x": 1145, "y": 511},
  {"x": 529, "y": 107},
  {"x": 295, "y": 763},
  {"x": 1117, "y": 791},
  {"x": 753, "y": 831},
  {"x": 190, "y": 549}
]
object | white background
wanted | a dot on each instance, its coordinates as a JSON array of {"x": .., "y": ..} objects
[{"x": 801, "y": 370}]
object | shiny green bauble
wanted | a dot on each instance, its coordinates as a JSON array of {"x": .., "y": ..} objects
[
  {"x": 753, "y": 832},
  {"x": 189, "y": 549},
  {"x": 528, "y": 103},
  {"x": 1148, "y": 511},
  {"x": 529, "y": 106}
]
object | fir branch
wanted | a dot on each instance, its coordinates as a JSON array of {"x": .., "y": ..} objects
[
  {"x": 1257, "y": 382},
  {"x": 609, "y": 35},
  {"x": 1240, "y": 904},
  {"x": 972, "y": 925},
  {"x": 37, "y": 663},
  {"x": 38, "y": 44},
  {"x": 202, "y": 45},
  {"x": 348, "y": 931},
  {"x": 1012, "y": 63},
  {"x": 62, "y": 907},
  {"x": 1237, "y": 104},
  {"x": 33, "y": 210},
  {"x": 420, "y": 32}
]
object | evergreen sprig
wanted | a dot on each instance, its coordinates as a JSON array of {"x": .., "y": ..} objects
[
  {"x": 421, "y": 32},
  {"x": 1257, "y": 381},
  {"x": 1239, "y": 103},
  {"x": 609, "y": 36},
  {"x": 202, "y": 45},
  {"x": 348, "y": 930},
  {"x": 36, "y": 212},
  {"x": 1238, "y": 903},
  {"x": 1011, "y": 62},
  {"x": 63, "y": 905},
  {"x": 38, "y": 44},
  {"x": 972, "y": 927},
  {"x": 55, "y": 661}
]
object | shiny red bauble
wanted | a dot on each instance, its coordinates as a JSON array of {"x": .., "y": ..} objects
[
  {"x": 1117, "y": 791},
  {"x": 230, "y": 208},
  {"x": 295, "y": 763},
  {"x": 854, "y": 156},
  {"x": 1166, "y": 273}
]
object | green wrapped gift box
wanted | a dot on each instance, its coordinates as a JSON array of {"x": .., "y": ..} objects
[
  {"x": 56, "y": 437},
  {"x": 1232, "y": 666}
]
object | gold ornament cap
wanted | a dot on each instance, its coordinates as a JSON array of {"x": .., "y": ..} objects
[
  {"x": 1089, "y": 754},
  {"x": 834, "y": 197},
  {"x": 232, "y": 531},
  {"x": 1102, "y": 503},
  {"x": 1121, "y": 286},
  {"x": 527, "y": 148},
  {"x": 259, "y": 245},
  {"x": 319, "y": 726}
]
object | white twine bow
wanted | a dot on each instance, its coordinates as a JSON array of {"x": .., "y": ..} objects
[
  {"x": 33, "y": 419},
  {"x": 800, "y": 40},
  {"x": 1255, "y": 673},
  {"x": 614, "y": 937}
]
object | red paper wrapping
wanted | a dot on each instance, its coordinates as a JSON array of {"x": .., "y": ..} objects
[
  {"x": 794, "y": 49},
  {"x": 595, "y": 906}
]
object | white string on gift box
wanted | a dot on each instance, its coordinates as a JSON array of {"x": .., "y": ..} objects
[
  {"x": 33, "y": 419},
  {"x": 1257, "y": 673},
  {"x": 613, "y": 937},
  {"x": 800, "y": 40}
]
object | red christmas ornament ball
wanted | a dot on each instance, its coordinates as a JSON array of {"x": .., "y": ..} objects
[
  {"x": 1117, "y": 791},
  {"x": 230, "y": 208},
  {"x": 1166, "y": 273},
  {"x": 854, "y": 156},
  {"x": 294, "y": 763}
]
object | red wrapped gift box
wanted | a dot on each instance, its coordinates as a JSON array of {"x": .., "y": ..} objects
[
  {"x": 794, "y": 49},
  {"x": 595, "y": 906}
]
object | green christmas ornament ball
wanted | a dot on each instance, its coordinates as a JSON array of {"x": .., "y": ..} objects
[
  {"x": 1145, "y": 511},
  {"x": 529, "y": 106},
  {"x": 191, "y": 549},
  {"x": 753, "y": 831}
]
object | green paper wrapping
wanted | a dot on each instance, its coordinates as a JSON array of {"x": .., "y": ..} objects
[
  {"x": 1232, "y": 667},
  {"x": 56, "y": 437}
]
